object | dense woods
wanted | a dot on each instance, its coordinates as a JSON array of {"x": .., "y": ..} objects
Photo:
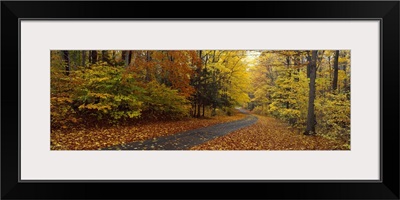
[{"x": 307, "y": 90}]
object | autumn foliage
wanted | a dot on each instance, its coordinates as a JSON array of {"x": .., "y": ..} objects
[
  {"x": 280, "y": 83},
  {"x": 270, "y": 134},
  {"x": 94, "y": 138},
  {"x": 143, "y": 84},
  {"x": 108, "y": 97}
]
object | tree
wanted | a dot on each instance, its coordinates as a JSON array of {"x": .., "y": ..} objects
[
  {"x": 126, "y": 55},
  {"x": 65, "y": 55},
  {"x": 104, "y": 56},
  {"x": 311, "y": 121},
  {"x": 335, "y": 71},
  {"x": 93, "y": 57},
  {"x": 221, "y": 81},
  {"x": 83, "y": 58}
]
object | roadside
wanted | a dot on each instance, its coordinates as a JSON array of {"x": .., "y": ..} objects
[{"x": 270, "y": 134}]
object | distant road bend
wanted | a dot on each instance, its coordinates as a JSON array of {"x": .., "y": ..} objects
[{"x": 187, "y": 139}]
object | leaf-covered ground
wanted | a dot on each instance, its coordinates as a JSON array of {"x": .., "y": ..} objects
[
  {"x": 270, "y": 134},
  {"x": 96, "y": 138},
  {"x": 187, "y": 139}
]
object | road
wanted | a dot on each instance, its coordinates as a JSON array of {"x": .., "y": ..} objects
[{"x": 186, "y": 140}]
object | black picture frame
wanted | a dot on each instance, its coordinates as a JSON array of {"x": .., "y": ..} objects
[{"x": 386, "y": 11}]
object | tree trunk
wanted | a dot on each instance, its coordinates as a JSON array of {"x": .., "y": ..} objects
[
  {"x": 287, "y": 61},
  {"x": 90, "y": 56},
  {"x": 330, "y": 69},
  {"x": 123, "y": 54},
  {"x": 104, "y": 56},
  {"x": 346, "y": 89},
  {"x": 194, "y": 108},
  {"x": 65, "y": 55},
  {"x": 311, "y": 121},
  {"x": 76, "y": 59},
  {"x": 289, "y": 75},
  {"x": 297, "y": 63},
  {"x": 198, "y": 110},
  {"x": 83, "y": 58},
  {"x": 94, "y": 57},
  {"x": 335, "y": 71},
  {"x": 127, "y": 55},
  {"x": 309, "y": 59},
  {"x": 203, "y": 109}
]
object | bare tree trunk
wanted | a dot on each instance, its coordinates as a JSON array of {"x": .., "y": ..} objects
[
  {"x": 311, "y": 121},
  {"x": 65, "y": 55},
  {"x": 335, "y": 71}
]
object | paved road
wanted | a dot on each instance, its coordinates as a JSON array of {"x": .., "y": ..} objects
[{"x": 186, "y": 140}]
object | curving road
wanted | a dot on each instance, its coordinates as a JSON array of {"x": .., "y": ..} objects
[{"x": 186, "y": 140}]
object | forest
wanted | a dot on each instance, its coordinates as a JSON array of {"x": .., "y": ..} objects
[{"x": 200, "y": 99}]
